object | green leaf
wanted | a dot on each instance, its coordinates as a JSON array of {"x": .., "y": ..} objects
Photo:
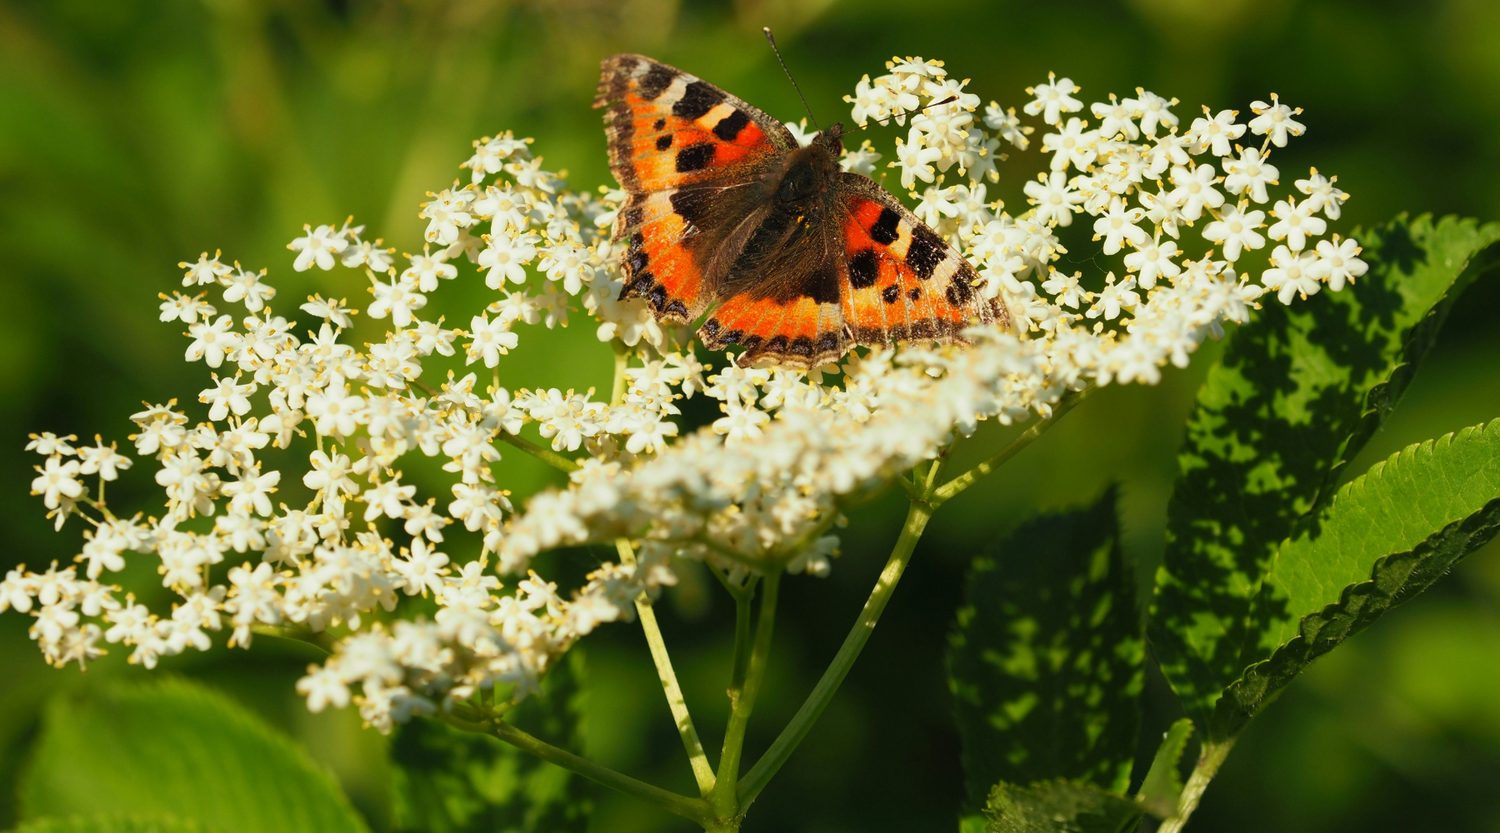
[
  {"x": 448, "y": 780},
  {"x": 112, "y": 824},
  {"x": 1059, "y": 807},
  {"x": 1163, "y": 785},
  {"x": 1045, "y": 663},
  {"x": 1298, "y": 392},
  {"x": 1387, "y": 536},
  {"x": 177, "y": 749}
]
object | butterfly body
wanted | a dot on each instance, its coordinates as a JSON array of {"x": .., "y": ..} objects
[{"x": 795, "y": 260}]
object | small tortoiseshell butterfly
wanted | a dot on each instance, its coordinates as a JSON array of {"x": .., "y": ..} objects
[{"x": 801, "y": 260}]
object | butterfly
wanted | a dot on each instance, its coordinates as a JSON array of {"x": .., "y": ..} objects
[{"x": 794, "y": 260}]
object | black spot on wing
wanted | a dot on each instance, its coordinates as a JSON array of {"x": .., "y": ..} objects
[
  {"x": 658, "y": 297},
  {"x": 884, "y": 230},
  {"x": 695, "y": 157},
  {"x": 655, "y": 82},
  {"x": 926, "y": 251},
  {"x": 638, "y": 260},
  {"x": 828, "y": 342},
  {"x": 711, "y": 326},
  {"x": 801, "y": 346},
  {"x": 696, "y": 100},
  {"x": 960, "y": 290},
  {"x": 823, "y": 285},
  {"x": 777, "y": 344},
  {"x": 664, "y": 142},
  {"x": 890, "y": 294},
  {"x": 691, "y": 204},
  {"x": 914, "y": 293},
  {"x": 864, "y": 268},
  {"x": 731, "y": 125},
  {"x": 676, "y": 308},
  {"x": 660, "y": 123}
]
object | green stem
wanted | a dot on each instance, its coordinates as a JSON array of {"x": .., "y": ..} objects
[
  {"x": 702, "y": 772},
  {"x": 725, "y": 799},
  {"x": 1209, "y": 761},
  {"x": 317, "y": 639},
  {"x": 741, "y": 643},
  {"x": 689, "y": 808},
  {"x": 546, "y": 455},
  {"x": 974, "y": 475},
  {"x": 759, "y": 775}
]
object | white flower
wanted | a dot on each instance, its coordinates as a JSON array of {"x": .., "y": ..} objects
[
  {"x": 1251, "y": 173},
  {"x": 57, "y": 480},
  {"x": 398, "y": 299},
  {"x": 1074, "y": 145},
  {"x": 1154, "y": 110},
  {"x": 1008, "y": 125},
  {"x": 1291, "y": 274},
  {"x": 447, "y": 214},
  {"x": 330, "y": 474},
  {"x": 741, "y": 422},
  {"x": 323, "y": 687},
  {"x": 227, "y": 395},
  {"x": 212, "y": 342},
  {"x": 106, "y": 461},
  {"x": 1117, "y": 118},
  {"x": 1236, "y": 231},
  {"x": 1322, "y": 195},
  {"x": 1118, "y": 225},
  {"x": 1338, "y": 262},
  {"x": 317, "y": 247},
  {"x": 1154, "y": 260},
  {"x": 1055, "y": 199},
  {"x": 1215, "y": 133},
  {"x": 335, "y": 412},
  {"x": 915, "y": 159},
  {"x": 506, "y": 258},
  {"x": 245, "y": 286},
  {"x": 427, "y": 269},
  {"x": 252, "y": 491},
  {"x": 1195, "y": 190},
  {"x": 1275, "y": 119},
  {"x": 489, "y": 340},
  {"x": 1052, "y": 99},
  {"x": 1295, "y": 222}
]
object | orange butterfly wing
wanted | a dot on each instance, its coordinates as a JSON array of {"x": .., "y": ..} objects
[
  {"x": 679, "y": 146},
  {"x": 902, "y": 280}
]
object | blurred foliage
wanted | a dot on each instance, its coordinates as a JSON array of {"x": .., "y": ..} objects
[{"x": 137, "y": 133}]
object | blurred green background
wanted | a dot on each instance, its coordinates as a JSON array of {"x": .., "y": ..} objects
[{"x": 137, "y": 133}]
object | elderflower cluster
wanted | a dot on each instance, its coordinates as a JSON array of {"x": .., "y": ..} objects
[{"x": 285, "y": 506}]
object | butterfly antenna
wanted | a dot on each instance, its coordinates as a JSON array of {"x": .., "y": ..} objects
[
  {"x": 949, "y": 100},
  {"x": 789, "y": 77}
]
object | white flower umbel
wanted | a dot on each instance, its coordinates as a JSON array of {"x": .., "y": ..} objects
[{"x": 285, "y": 510}]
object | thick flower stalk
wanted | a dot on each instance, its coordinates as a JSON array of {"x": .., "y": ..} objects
[{"x": 285, "y": 507}]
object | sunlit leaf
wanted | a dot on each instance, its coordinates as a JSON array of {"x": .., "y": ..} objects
[
  {"x": 112, "y": 824},
  {"x": 1045, "y": 664},
  {"x": 1059, "y": 807},
  {"x": 1297, "y": 394},
  {"x": 182, "y": 750},
  {"x": 1163, "y": 784},
  {"x": 1386, "y": 536},
  {"x": 448, "y": 780}
]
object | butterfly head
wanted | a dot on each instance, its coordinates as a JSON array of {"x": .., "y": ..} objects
[{"x": 811, "y": 170}]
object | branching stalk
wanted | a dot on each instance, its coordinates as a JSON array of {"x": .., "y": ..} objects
[
  {"x": 759, "y": 775},
  {"x": 690, "y": 808},
  {"x": 546, "y": 455},
  {"x": 725, "y": 799},
  {"x": 1209, "y": 760},
  {"x": 702, "y": 772},
  {"x": 974, "y": 475}
]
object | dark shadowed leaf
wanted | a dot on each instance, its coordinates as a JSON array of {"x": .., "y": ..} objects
[
  {"x": 177, "y": 749},
  {"x": 1385, "y": 537},
  {"x": 1059, "y": 807},
  {"x": 448, "y": 780},
  {"x": 1297, "y": 394},
  {"x": 1045, "y": 664}
]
